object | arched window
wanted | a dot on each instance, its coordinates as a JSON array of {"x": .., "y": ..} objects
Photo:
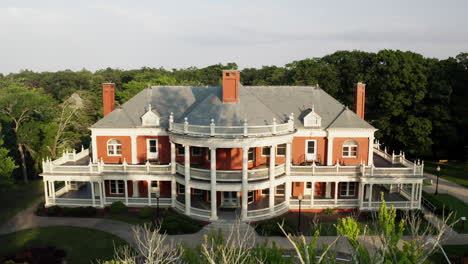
[
  {"x": 114, "y": 147},
  {"x": 350, "y": 149}
]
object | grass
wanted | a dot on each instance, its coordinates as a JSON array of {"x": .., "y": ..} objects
[
  {"x": 454, "y": 171},
  {"x": 82, "y": 245},
  {"x": 452, "y": 251},
  {"x": 20, "y": 197},
  {"x": 459, "y": 208}
]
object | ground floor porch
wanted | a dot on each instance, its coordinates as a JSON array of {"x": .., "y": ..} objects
[{"x": 259, "y": 204}]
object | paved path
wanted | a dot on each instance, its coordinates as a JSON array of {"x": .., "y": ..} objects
[
  {"x": 446, "y": 186},
  {"x": 27, "y": 219}
]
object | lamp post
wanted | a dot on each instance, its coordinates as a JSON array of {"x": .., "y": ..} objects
[
  {"x": 437, "y": 181},
  {"x": 463, "y": 220},
  {"x": 299, "y": 216}
]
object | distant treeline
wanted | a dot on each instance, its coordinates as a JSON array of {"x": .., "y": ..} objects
[{"x": 419, "y": 105}]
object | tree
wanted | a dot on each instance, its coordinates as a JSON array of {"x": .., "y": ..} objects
[
  {"x": 7, "y": 166},
  {"x": 28, "y": 111}
]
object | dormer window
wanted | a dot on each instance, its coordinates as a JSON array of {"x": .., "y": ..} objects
[
  {"x": 150, "y": 118},
  {"x": 312, "y": 119}
]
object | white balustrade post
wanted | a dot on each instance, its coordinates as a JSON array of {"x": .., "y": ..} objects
[
  {"x": 361, "y": 195},
  {"x": 288, "y": 159},
  {"x": 291, "y": 122},
  {"x": 420, "y": 195},
  {"x": 272, "y": 178},
  {"x": 52, "y": 186},
  {"x": 173, "y": 158},
  {"x": 148, "y": 182},
  {"x": 171, "y": 121},
  {"x": 103, "y": 186},
  {"x": 187, "y": 179},
  {"x": 212, "y": 128},
  {"x": 101, "y": 194},
  {"x": 214, "y": 208},
  {"x": 126, "y": 192},
  {"x": 94, "y": 148},
  {"x": 245, "y": 159},
  {"x": 336, "y": 192},
  {"x": 313, "y": 167},
  {"x": 93, "y": 197},
  {"x": 173, "y": 191},
  {"x": 186, "y": 125},
  {"x": 370, "y": 154},
  {"x": 412, "y": 195},
  {"x": 246, "y": 132}
]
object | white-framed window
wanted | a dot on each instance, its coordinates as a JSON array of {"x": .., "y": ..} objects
[
  {"x": 347, "y": 189},
  {"x": 116, "y": 187},
  {"x": 196, "y": 151},
  {"x": 281, "y": 150},
  {"x": 250, "y": 197},
  {"x": 152, "y": 148},
  {"x": 350, "y": 149},
  {"x": 180, "y": 150},
  {"x": 114, "y": 147},
  {"x": 266, "y": 151},
  {"x": 311, "y": 149},
  {"x": 181, "y": 189},
  {"x": 279, "y": 190},
  {"x": 265, "y": 191},
  {"x": 251, "y": 155}
]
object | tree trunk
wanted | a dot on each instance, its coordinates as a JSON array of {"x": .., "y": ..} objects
[{"x": 23, "y": 163}]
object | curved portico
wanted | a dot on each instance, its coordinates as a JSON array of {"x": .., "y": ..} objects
[{"x": 243, "y": 180}]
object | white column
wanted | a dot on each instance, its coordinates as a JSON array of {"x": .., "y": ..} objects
[
  {"x": 271, "y": 195},
  {"x": 134, "y": 149},
  {"x": 245, "y": 159},
  {"x": 420, "y": 195},
  {"x": 288, "y": 159},
  {"x": 126, "y": 192},
  {"x": 173, "y": 158},
  {"x": 336, "y": 193},
  {"x": 149, "y": 192},
  {"x": 101, "y": 194},
  {"x": 287, "y": 191},
  {"x": 370, "y": 195},
  {"x": 329, "y": 151},
  {"x": 214, "y": 209},
  {"x": 94, "y": 147},
  {"x": 173, "y": 191},
  {"x": 187, "y": 179},
  {"x": 136, "y": 192},
  {"x": 370, "y": 159},
  {"x": 93, "y": 198},
  {"x": 412, "y": 196},
  {"x": 52, "y": 186},
  {"x": 361, "y": 194},
  {"x": 328, "y": 190},
  {"x": 103, "y": 186},
  {"x": 46, "y": 195},
  {"x": 312, "y": 193}
]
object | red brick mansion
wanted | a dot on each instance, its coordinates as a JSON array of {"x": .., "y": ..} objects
[{"x": 258, "y": 150}]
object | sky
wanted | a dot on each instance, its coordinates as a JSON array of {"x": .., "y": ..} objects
[{"x": 52, "y": 35}]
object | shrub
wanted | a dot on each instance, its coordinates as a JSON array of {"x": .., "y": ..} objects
[
  {"x": 41, "y": 210},
  {"x": 54, "y": 210},
  {"x": 329, "y": 212},
  {"x": 174, "y": 224},
  {"x": 271, "y": 227},
  {"x": 80, "y": 211},
  {"x": 146, "y": 213},
  {"x": 118, "y": 207}
]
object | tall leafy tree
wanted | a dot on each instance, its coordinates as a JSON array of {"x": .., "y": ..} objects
[{"x": 28, "y": 112}]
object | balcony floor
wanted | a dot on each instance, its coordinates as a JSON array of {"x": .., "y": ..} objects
[{"x": 383, "y": 163}]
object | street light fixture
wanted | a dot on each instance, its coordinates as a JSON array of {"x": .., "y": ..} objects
[
  {"x": 157, "y": 204},
  {"x": 463, "y": 219},
  {"x": 299, "y": 216},
  {"x": 437, "y": 181}
]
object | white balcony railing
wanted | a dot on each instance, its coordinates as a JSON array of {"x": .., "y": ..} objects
[
  {"x": 245, "y": 130},
  {"x": 230, "y": 175},
  {"x": 260, "y": 214}
]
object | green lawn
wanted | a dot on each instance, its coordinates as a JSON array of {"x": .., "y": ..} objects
[
  {"x": 455, "y": 171},
  {"x": 451, "y": 251},
  {"x": 450, "y": 202},
  {"x": 20, "y": 197},
  {"x": 82, "y": 245}
]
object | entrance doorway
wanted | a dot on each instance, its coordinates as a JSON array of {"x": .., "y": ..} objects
[{"x": 230, "y": 200}]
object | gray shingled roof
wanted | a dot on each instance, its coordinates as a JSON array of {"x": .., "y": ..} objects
[{"x": 258, "y": 104}]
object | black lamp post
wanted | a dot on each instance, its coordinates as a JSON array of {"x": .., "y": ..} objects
[
  {"x": 157, "y": 204},
  {"x": 437, "y": 181},
  {"x": 463, "y": 220},
  {"x": 299, "y": 215}
]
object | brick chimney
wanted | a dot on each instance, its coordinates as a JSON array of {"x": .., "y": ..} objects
[
  {"x": 231, "y": 81},
  {"x": 360, "y": 99},
  {"x": 108, "y": 97}
]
